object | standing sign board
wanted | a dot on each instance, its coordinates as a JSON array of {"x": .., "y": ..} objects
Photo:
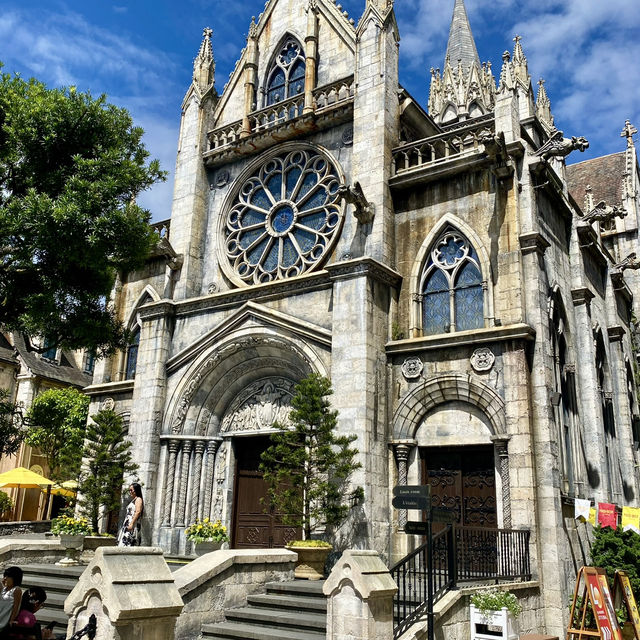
[
  {"x": 595, "y": 596},
  {"x": 621, "y": 582}
]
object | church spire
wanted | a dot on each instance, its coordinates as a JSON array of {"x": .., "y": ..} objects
[{"x": 461, "y": 46}]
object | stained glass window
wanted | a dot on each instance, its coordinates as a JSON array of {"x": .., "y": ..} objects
[
  {"x": 452, "y": 291},
  {"x": 132, "y": 355},
  {"x": 285, "y": 217},
  {"x": 286, "y": 78}
]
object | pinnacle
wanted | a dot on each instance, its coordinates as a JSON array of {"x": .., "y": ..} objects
[{"x": 461, "y": 46}]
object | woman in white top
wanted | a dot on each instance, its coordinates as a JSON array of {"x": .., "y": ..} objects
[{"x": 11, "y": 595}]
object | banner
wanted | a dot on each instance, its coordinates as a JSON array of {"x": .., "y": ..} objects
[
  {"x": 592, "y": 516},
  {"x": 631, "y": 519},
  {"x": 607, "y": 516},
  {"x": 582, "y": 509}
]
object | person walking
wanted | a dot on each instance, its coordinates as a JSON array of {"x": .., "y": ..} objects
[{"x": 129, "y": 535}]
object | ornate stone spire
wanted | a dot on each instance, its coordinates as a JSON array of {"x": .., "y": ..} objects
[
  {"x": 204, "y": 66},
  {"x": 519, "y": 61},
  {"x": 461, "y": 46},
  {"x": 466, "y": 88},
  {"x": 543, "y": 107}
]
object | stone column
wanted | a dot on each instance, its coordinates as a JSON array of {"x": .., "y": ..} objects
[
  {"x": 311, "y": 52},
  {"x": 360, "y": 593},
  {"x": 401, "y": 451},
  {"x": 148, "y": 403},
  {"x": 196, "y": 477},
  {"x": 212, "y": 447},
  {"x": 169, "y": 481},
  {"x": 500, "y": 443},
  {"x": 183, "y": 483}
]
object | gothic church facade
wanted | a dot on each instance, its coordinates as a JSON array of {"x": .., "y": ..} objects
[{"x": 474, "y": 317}]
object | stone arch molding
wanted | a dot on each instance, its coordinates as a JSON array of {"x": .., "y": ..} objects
[
  {"x": 143, "y": 298},
  {"x": 440, "y": 389},
  {"x": 241, "y": 383}
]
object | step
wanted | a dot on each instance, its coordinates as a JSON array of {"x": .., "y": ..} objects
[
  {"x": 308, "y": 588},
  {"x": 226, "y": 630},
  {"x": 278, "y": 618},
  {"x": 296, "y": 603}
]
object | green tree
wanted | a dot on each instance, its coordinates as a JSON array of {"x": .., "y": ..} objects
[
  {"x": 71, "y": 167},
  {"x": 617, "y": 549},
  {"x": 107, "y": 456},
  {"x": 11, "y": 433},
  {"x": 57, "y": 422},
  {"x": 307, "y": 468}
]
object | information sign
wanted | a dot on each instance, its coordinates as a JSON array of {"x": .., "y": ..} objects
[
  {"x": 416, "y": 528},
  {"x": 423, "y": 490},
  {"x": 411, "y": 502},
  {"x": 621, "y": 580}
]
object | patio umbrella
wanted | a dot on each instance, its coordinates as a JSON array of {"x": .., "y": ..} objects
[
  {"x": 22, "y": 478},
  {"x": 60, "y": 490}
]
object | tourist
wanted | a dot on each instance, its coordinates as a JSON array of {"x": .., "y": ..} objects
[
  {"x": 10, "y": 596},
  {"x": 129, "y": 535},
  {"x": 25, "y": 626}
]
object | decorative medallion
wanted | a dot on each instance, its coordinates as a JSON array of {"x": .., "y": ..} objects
[
  {"x": 212, "y": 288},
  {"x": 412, "y": 368},
  {"x": 482, "y": 359},
  {"x": 108, "y": 404},
  {"x": 222, "y": 178},
  {"x": 347, "y": 137},
  {"x": 284, "y": 217}
]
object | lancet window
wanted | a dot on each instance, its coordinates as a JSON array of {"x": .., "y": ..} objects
[
  {"x": 132, "y": 355},
  {"x": 286, "y": 76},
  {"x": 452, "y": 287}
]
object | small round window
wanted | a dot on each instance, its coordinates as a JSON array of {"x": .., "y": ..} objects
[{"x": 284, "y": 217}]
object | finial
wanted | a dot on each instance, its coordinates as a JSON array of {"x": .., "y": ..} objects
[
  {"x": 506, "y": 56},
  {"x": 204, "y": 65},
  {"x": 517, "y": 39},
  {"x": 207, "y": 32},
  {"x": 628, "y": 132},
  {"x": 253, "y": 28}
]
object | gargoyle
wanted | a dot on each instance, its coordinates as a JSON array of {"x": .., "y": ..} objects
[
  {"x": 557, "y": 146},
  {"x": 496, "y": 149},
  {"x": 602, "y": 212},
  {"x": 630, "y": 262},
  {"x": 355, "y": 196}
]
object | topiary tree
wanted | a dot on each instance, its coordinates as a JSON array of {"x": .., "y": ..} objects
[
  {"x": 56, "y": 421},
  {"x": 617, "y": 549},
  {"x": 307, "y": 468},
  {"x": 107, "y": 457}
]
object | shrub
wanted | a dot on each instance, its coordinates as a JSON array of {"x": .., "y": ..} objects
[
  {"x": 6, "y": 503},
  {"x": 68, "y": 525},
  {"x": 617, "y": 549},
  {"x": 494, "y": 600},
  {"x": 207, "y": 531}
]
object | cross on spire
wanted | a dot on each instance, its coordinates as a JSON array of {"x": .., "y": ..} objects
[{"x": 628, "y": 132}]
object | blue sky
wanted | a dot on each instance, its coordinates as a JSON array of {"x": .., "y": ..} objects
[{"x": 140, "y": 53}]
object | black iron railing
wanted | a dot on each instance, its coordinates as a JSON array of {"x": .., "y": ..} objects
[
  {"x": 88, "y": 630},
  {"x": 459, "y": 554}
]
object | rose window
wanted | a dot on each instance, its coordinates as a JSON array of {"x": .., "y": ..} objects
[{"x": 285, "y": 217}]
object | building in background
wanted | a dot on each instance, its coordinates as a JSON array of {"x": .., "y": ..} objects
[{"x": 470, "y": 297}]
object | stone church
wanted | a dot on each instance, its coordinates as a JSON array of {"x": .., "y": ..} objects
[{"x": 469, "y": 295}]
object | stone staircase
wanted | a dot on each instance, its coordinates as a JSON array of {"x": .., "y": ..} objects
[
  {"x": 58, "y": 583},
  {"x": 287, "y": 611}
]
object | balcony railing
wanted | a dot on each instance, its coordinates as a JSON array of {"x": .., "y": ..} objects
[
  {"x": 441, "y": 148},
  {"x": 460, "y": 554},
  {"x": 325, "y": 99}
]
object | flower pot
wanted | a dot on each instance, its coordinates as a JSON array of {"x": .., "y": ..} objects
[
  {"x": 200, "y": 548},
  {"x": 72, "y": 544},
  {"x": 311, "y": 561},
  {"x": 487, "y": 626}
]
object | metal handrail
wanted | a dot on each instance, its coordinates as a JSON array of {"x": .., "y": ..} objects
[{"x": 88, "y": 630}]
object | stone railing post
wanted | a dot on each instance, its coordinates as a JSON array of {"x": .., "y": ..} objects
[{"x": 360, "y": 593}]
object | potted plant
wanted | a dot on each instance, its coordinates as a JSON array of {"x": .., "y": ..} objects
[
  {"x": 497, "y": 609},
  {"x": 72, "y": 532},
  {"x": 307, "y": 468},
  {"x": 206, "y": 535}
]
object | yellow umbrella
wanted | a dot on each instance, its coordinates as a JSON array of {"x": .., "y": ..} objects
[
  {"x": 23, "y": 479},
  {"x": 60, "y": 490}
]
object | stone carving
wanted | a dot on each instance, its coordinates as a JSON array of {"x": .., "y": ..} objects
[
  {"x": 630, "y": 262},
  {"x": 259, "y": 406},
  {"x": 212, "y": 288},
  {"x": 559, "y": 147},
  {"x": 108, "y": 404},
  {"x": 355, "y": 196},
  {"x": 496, "y": 149},
  {"x": 220, "y": 472},
  {"x": 412, "y": 368},
  {"x": 214, "y": 360},
  {"x": 604, "y": 213},
  {"x": 482, "y": 359},
  {"x": 347, "y": 137},
  {"x": 222, "y": 178}
]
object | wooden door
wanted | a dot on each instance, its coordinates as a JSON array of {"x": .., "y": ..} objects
[
  {"x": 255, "y": 523},
  {"x": 462, "y": 481}
]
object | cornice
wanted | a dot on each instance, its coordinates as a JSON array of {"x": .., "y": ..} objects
[
  {"x": 582, "y": 295},
  {"x": 123, "y": 386},
  {"x": 519, "y": 331},
  {"x": 368, "y": 267},
  {"x": 616, "y": 333},
  {"x": 153, "y": 310},
  {"x": 533, "y": 241}
]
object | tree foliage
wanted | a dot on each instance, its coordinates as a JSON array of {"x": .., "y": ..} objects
[
  {"x": 56, "y": 422},
  {"x": 71, "y": 167},
  {"x": 617, "y": 549},
  {"x": 11, "y": 433},
  {"x": 307, "y": 468},
  {"x": 107, "y": 456}
]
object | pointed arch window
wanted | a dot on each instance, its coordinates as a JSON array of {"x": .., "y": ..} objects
[
  {"x": 286, "y": 76},
  {"x": 132, "y": 354},
  {"x": 452, "y": 288}
]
